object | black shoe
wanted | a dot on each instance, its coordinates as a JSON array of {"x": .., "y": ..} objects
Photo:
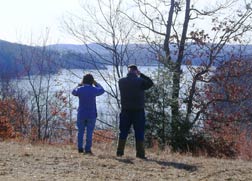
[
  {"x": 80, "y": 150},
  {"x": 120, "y": 147},
  {"x": 119, "y": 153},
  {"x": 140, "y": 152}
]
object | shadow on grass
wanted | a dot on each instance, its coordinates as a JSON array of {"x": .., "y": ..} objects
[
  {"x": 181, "y": 166},
  {"x": 125, "y": 160}
]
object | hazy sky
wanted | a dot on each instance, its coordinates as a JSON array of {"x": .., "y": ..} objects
[{"x": 21, "y": 19}]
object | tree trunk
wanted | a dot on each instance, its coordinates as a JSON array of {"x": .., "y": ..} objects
[
  {"x": 168, "y": 32},
  {"x": 179, "y": 128}
]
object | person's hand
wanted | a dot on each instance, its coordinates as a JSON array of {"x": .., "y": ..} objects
[{"x": 95, "y": 83}]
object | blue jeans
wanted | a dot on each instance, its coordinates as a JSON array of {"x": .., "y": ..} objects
[
  {"x": 135, "y": 118},
  {"x": 89, "y": 124}
]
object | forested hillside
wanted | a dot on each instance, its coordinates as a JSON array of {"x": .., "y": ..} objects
[
  {"x": 16, "y": 58},
  {"x": 19, "y": 60}
]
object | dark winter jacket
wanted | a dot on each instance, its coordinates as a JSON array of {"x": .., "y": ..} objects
[{"x": 132, "y": 91}]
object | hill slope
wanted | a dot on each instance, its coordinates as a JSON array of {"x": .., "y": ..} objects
[{"x": 19, "y": 161}]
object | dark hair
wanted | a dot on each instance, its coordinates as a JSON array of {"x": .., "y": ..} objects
[
  {"x": 88, "y": 79},
  {"x": 132, "y": 67}
]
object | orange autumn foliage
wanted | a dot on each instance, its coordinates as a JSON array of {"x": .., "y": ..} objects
[
  {"x": 6, "y": 130},
  {"x": 228, "y": 117},
  {"x": 13, "y": 118},
  {"x": 104, "y": 136}
]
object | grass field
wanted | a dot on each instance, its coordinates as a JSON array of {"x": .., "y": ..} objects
[{"x": 24, "y": 161}]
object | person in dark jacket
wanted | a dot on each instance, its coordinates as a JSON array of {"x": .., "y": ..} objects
[
  {"x": 87, "y": 113},
  {"x": 132, "y": 90}
]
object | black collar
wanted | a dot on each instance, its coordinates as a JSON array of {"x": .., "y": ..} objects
[{"x": 131, "y": 75}]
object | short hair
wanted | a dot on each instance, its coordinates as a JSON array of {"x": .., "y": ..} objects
[
  {"x": 132, "y": 67},
  {"x": 88, "y": 79}
]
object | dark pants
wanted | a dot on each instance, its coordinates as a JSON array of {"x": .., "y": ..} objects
[{"x": 135, "y": 118}]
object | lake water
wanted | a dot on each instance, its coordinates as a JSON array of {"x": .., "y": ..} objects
[{"x": 67, "y": 80}]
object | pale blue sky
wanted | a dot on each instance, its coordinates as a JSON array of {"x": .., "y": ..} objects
[{"x": 21, "y": 19}]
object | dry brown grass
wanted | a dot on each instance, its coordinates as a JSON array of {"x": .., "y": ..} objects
[{"x": 23, "y": 161}]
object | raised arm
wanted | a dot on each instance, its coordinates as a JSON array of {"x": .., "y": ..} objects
[
  {"x": 75, "y": 91},
  {"x": 147, "y": 83},
  {"x": 99, "y": 89}
]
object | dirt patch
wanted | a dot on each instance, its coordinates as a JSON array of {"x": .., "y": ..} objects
[{"x": 19, "y": 161}]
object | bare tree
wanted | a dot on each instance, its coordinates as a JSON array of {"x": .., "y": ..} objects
[
  {"x": 106, "y": 36},
  {"x": 189, "y": 31},
  {"x": 38, "y": 65}
]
